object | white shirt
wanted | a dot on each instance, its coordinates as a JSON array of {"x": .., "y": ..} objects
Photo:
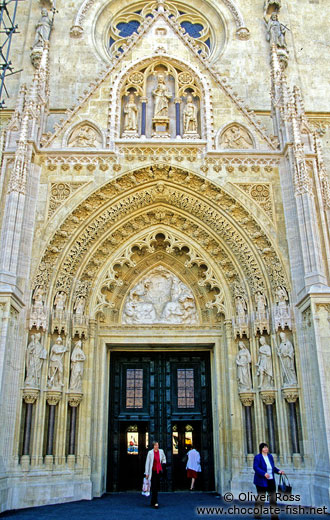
[
  {"x": 194, "y": 460},
  {"x": 269, "y": 466}
]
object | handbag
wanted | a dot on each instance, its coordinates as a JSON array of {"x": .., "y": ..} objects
[
  {"x": 284, "y": 486},
  {"x": 146, "y": 487}
]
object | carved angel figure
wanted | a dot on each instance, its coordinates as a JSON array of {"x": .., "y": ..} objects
[{"x": 243, "y": 362}]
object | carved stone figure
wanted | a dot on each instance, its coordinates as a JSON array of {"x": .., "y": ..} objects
[
  {"x": 286, "y": 354},
  {"x": 162, "y": 96},
  {"x": 59, "y": 302},
  {"x": 131, "y": 116},
  {"x": 265, "y": 366},
  {"x": 276, "y": 32},
  {"x": 190, "y": 118},
  {"x": 35, "y": 356},
  {"x": 240, "y": 309},
  {"x": 78, "y": 358},
  {"x": 261, "y": 305},
  {"x": 236, "y": 137},
  {"x": 38, "y": 317},
  {"x": 43, "y": 29},
  {"x": 282, "y": 313},
  {"x": 160, "y": 297},
  {"x": 38, "y": 298},
  {"x": 85, "y": 137},
  {"x": 55, "y": 369},
  {"x": 79, "y": 305},
  {"x": 243, "y": 361}
]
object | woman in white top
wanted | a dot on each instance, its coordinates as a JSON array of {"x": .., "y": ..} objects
[{"x": 193, "y": 465}]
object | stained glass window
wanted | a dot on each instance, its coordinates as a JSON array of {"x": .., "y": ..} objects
[
  {"x": 134, "y": 388},
  {"x": 186, "y": 391}
]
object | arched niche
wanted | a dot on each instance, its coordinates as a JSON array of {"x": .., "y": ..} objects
[
  {"x": 235, "y": 137},
  {"x": 84, "y": 135}
]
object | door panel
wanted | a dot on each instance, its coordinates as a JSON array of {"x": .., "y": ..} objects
[{"x": 150, "y": 394}]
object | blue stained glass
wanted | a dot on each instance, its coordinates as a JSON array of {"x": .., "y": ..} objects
[
  {"x": 193, "y": 29},
  {"x": 208, "y": 43},
  {"x": 112, "y": 41},
  {"x": 127, "y": 29},
  {"x": 138, "y": 12},
  {"x": 181, "y": 12}
]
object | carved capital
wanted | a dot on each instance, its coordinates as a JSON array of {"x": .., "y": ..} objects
[
  {"x": 74, "y": 398},
  {"x": 30, "y": 395},
  {"x": 290, "y": 394},
  {"x": 246, "y": 398},
  {"x": 53, "y": 397},
  {"x": 268, "y": 396}
]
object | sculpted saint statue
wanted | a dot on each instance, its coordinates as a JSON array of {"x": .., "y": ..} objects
[
  {"x": 261, "y": 305},
  {"x": 265, "y": 366},
  {"x": 38, "y": 299},
  {"x": 286, "y": 354},
  {"x": 77, "y": 367},
  {"x": 55, "y": 369},
  {"x": 243, "y": 361},
  {"x": 276, "y": 32},
  {"x": 131, "y": 115},
  {"x": 190, "y": 117},
  {"x": 240, "y": 309},
  {"x": 59, "y": 301},
  {"x": 43, "y": 28},
  {"x": 79, "y": 305},
  {"x": 162, "y": 96},
  {"x": 35, "y": 356}
]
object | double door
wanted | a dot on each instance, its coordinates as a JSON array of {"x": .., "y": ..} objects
[{"x": 164, "y": 397}]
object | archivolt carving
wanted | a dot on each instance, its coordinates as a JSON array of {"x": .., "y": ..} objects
[{"x": 155, "y": 195}]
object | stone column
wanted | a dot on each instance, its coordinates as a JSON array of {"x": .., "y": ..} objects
[
  {"x": 144, "y": 102},
  {"x": 291, "y": 396},
  {"x": 177, "y": 102},
  {"x": 30, "y": 395},
  {"x": 74, "y": 400},
  {"x": 247, "y": 399},
  {"x": 268, "y": 398},
  {"x": 52, "y": 397}
]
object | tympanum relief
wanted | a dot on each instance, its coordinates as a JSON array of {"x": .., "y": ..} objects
[
  {"x": 236, "y": 137},
  {"x": 160, "y": 297},
  {"x": 85, "y": 136}
]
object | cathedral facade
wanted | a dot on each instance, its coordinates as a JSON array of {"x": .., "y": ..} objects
[{"x": 165, "y": 249}]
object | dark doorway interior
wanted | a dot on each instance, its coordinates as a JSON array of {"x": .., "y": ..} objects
[{"x": 164, "y": 396}]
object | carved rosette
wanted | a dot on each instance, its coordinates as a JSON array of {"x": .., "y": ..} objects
[
  {"x": 53, "y": 397},
  {"x": 268, "y": 396},
  {"x": 74, "y": 398},
  {"x": 290, "y": 394},
  {"x": 30, "y": 395},
  {"x": 247, "y": 398}
]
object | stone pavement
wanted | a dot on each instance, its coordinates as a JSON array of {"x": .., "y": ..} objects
[{"x": 133, "y": 506}]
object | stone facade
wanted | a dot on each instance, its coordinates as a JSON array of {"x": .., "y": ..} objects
[{"x": 158, "y": 161}]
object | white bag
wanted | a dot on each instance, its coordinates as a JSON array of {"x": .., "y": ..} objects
[{"x": 146, "y": 487}]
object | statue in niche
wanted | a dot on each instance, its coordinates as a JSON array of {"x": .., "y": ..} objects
[
  {"x": 190, "y": 119},
  {"x": 43, "y": 29},
  {"x": 55, "y": 369},
  {"x": 276, "y": 32},
  {"x": 85, "y": 137},
  {"x": 160, "y": 297},
  {"x": 261, "y": 302},
  {"x": 38, "y": 299},
  {"x": 162, "y": 96},
  {"x": 236, "y": 137},
  {"x": 243, "y": 362},
  {"x": 285, "y": 352},
  {"x": 130, "y": 117},
  {"x": 240, "y": 310},
  {"x": 79, "y": 305},
  {"x": 78, "y": 359},
  {"x": 271, "y": 5},
  {"x": 59, "y": 302},
  {"x": 265, "y": 366},
  {"x": 35, "y": 356}
]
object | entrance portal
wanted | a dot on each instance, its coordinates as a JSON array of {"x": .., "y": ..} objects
[{"x": 163, "y": 396}]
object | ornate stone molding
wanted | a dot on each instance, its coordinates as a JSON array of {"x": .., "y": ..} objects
[
  {"x": 268, "y": 396},
  {"x": 290, "y": 394},
  {"x": 53, "y": 397},
  {"x": 261, "y": 193},
  {"x": 247, "y": 398},
  {"x": 74, "y": 398},
  {"x": 59, "y": 192},
  {"x": 30, "y": 395}
]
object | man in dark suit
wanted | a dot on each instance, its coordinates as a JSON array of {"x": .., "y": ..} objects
[{"x": 264, "y": 480}]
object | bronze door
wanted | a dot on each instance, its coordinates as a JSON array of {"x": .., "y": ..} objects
[{"x": 159, "y": 396}]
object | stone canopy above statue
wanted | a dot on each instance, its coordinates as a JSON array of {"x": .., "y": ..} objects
[
  {"x": 161, "y": 101},
  {"x": 160, "y": 297}
]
